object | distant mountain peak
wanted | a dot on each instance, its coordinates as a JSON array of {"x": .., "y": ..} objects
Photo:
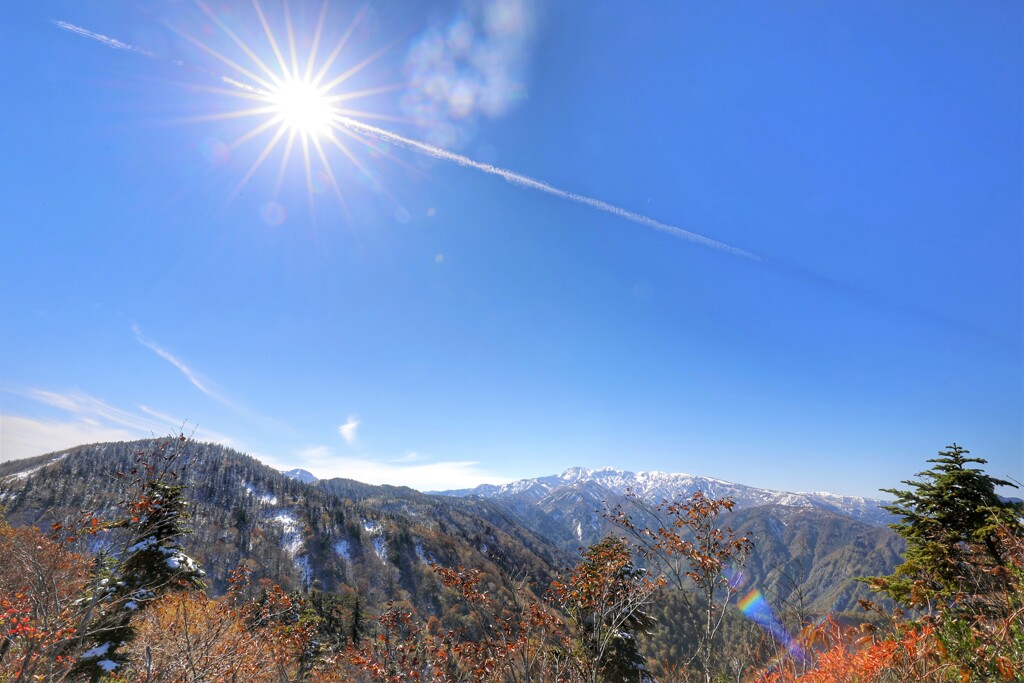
[
  {"x": 299, "y": 474},
  {"x": 654, "y": 487},
  {"x": 578, "y": 473}
]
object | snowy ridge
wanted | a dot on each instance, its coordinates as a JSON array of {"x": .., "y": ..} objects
[
  {"x": 27, "y": 473},
  {"x": 654, "y": 487}
]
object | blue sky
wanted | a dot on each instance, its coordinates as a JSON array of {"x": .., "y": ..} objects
[{"x": 438, "y": 326}]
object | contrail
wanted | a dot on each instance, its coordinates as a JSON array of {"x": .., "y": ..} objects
[
  {"x": 883, "y": 301},
  {"x": 534, "y": 184},
  {"x": 440, "y": 153},
  {"x": 116, "y": 44},
  {"x": 106, "y": 40}
]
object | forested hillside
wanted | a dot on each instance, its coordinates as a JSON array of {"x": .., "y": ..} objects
[
  {"x": 809, "y": 548},
  {"x": 330, "y": 535},
  {"x": 171, "y": 560}
]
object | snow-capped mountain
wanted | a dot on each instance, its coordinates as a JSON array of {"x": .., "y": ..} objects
[
  {"x": 654, "y": 487},
  {"x": 339, "y": 534},
  {"x": 305, "y": 476},
  {"x": 808, "y": 539},
  {"x": 329, "y": 534}
]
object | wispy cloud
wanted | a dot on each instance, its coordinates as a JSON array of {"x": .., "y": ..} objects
[
  {"x": 85, "y": 407},
  {"x": 106, "y": 40},
  {"x": 314, "y": 453},
  {"x": 85, "y": 419},
  {"x": 411, "y": 469},
  {"x": 185, "y": 370},
  {"x": 348, "y": 430},
  {"x": 203, "y": 384},
  {"x": 25, "y": 437}
]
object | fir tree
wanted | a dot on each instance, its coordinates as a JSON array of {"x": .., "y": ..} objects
[
  {"x": 949, "y": 520},
  {"x": 150, "y": 564}
]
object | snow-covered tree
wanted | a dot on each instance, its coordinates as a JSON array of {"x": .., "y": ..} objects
[{"x": 149, "y": 562}]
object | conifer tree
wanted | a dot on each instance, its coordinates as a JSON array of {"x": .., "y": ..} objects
[
  {"x": 150, "y": 563},
  {"x": 949, "y": 518}
]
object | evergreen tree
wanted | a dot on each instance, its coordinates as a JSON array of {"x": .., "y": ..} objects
[
  {"x": 150, "y": 564},
  {"x": 949, "y": 519}
]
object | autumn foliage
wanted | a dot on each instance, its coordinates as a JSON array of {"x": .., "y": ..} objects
[{"x": 138, "y": 610}]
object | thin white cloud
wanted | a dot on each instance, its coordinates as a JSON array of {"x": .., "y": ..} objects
[
  {"x": 202, "y": 384},
  {"x": 82, "y": 406},
  {"x": 314, "y": 453},
  {"x": 243, "y": 86},
  {"x": 400, "y": 471},
  {"x": 86, "y": 419},
  {"x": 106, "y": 40},
  {"x": 348, "y": 430},
  {"x": 185, "y": 370},
  {"x": 25, "y": 437}
]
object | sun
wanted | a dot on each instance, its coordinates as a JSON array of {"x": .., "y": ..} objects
[
  {"x": 302, "y": 107},
  {"x": 301, "y": 102}
]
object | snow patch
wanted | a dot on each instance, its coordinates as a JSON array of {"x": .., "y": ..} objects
[
  {"x": 422, "y": 555},
  {"x": 261, "y": 496},
  {"x": 343, "y": 549},
  {"x": 96, "y": 652},
  {"x": 292, "y": 543},
  {"x": 27, "y": 473},
  {"x": 305, "y": 570},
  {"x": 291, "y": 539},
  {"x": 375, "y": 531},
  {"x": 380, "y": 547}
]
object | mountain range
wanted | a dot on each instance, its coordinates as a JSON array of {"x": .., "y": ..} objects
[
  {"x": 377, "y": 542},
  {"x": 808, "y": 547},
  {"x": 654, "y": 487}
]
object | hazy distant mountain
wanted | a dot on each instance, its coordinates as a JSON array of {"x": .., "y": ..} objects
[{"x": 654, "y": 487}]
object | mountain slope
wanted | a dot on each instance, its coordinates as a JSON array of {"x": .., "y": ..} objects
[
  {"x": 378, "y": 541},
  {"x": 808, "y": 547},
  {"x": 336, "y": 535}
]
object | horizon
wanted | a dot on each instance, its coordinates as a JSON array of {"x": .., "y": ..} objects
[
  {"x": 588, "y": 471},
  {"x": 467, "y": 240}
]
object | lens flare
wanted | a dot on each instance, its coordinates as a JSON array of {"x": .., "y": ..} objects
[
  {"x": 302, "y": 108},
  {"x": 756, "y": 608}
]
